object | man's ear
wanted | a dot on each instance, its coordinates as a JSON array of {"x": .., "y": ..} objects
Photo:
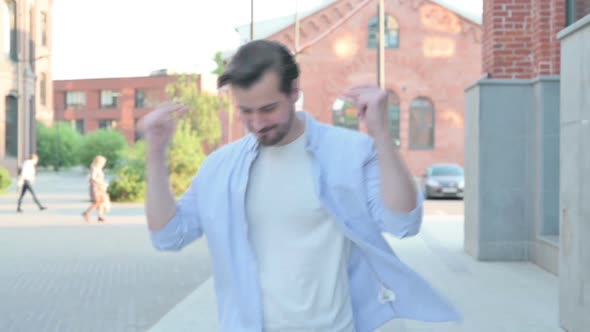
[{"x": 294, "y": 94}]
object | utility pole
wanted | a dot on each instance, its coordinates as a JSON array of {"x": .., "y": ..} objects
[
  {"x": 381, "y": 49},
  {"x": 251, "y": 20}
]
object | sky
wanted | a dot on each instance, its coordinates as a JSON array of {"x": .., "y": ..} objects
[{"x": 119, "y": 38}]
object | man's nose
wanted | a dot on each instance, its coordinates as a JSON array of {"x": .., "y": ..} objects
[{"x": 258, "y": 121}]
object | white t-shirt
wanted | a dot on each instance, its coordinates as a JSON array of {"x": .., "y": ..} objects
[
  {"x": 28, "y": 171},
  {"x": 302, "y": 255}
]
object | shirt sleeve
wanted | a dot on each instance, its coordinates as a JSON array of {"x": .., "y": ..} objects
[
  {"x": 400, "y": 224},
  {"x": 185, "y": 227}
]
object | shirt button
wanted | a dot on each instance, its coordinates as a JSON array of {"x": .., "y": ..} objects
[{"x": 386, "y": 295}]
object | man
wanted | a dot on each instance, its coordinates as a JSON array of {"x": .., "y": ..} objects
[
  {"x": 294, "y": 212},
  {"x": 26, "y": 180}
]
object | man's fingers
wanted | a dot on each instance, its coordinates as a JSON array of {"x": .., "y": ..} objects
[
  {"x": 180, "y": 112},
  {"x": 349, "y": 99}
]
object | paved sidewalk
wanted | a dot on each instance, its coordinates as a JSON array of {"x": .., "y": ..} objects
[
  {"x": 58, "y": 273},
  {"x": 493, "y": 296},
  {"x": 511, "y": 297}
]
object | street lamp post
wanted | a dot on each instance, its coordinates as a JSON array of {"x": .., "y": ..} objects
[{"x": 381, "y": 49}]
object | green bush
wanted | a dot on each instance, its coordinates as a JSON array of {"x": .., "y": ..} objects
[
  {"x": 58, "y": 146},
  {"x": 185, "y": 156},
  {"x": 129, "y": 184},
  {"x": 200, "y": 128},
  {"x": 5, "y": 179},
  {"x": 108, "y": 143}
]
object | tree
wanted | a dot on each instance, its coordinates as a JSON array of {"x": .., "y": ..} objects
[
  {"x": 129, "y": 182},
  {"x": 58, "y": 146},
  {"x": 220, "y": 64},
  {"x": 108, "y": 143},
  {"x": 198, "y": 132}
]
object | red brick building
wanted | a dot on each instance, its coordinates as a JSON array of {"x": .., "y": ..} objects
[
  {"x": 432, "y": 53},
  {"x": 118, "y": 103}
]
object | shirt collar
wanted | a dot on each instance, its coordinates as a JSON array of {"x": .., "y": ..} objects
[{"x": 311, "y": 126}]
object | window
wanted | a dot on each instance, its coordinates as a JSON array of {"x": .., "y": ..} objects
[
  {"x": 11, "y": 132},
  {"x": 9, "y": 28},
  {"x": 43, "y": 89},
  {"x": 421, "y": 124},
  {"x": 138, "y": 133},
  {"x": 577, "y": 9},
  {"x": 344, "y": 115},
  {"x": 109, "y": 99},
  {"x": 44, "y": 27},
  {"x": 107, "y": 124},
  {"x": 75, "y": 99},
  {"x": 394, "y": 116},
  {"x": 391, "y": 32},
  {"x": 146, "y": 98},
  {"x": 139, "y": 99},
  {"x": 79, "y": 126},
  {"x": 446, "y": 170}
]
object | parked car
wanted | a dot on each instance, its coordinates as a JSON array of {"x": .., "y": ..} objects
[{"x": 444, "y": 180}]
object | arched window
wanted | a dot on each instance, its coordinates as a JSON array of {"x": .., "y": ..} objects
[
  {"x": 421, "y": 124},
  {"x": 8, "y": 19},
  {"x": 394, "y": 116},
  {"x": 344, "y": 115},
  {"x": 11, "y": 126},
  {"x": 391, "y": 32}
]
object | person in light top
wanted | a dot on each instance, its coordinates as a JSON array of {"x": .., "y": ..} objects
[{"x": 26, "y": 180}]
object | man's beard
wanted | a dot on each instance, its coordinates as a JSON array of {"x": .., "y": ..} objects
[{"x": 281, "y": 131}]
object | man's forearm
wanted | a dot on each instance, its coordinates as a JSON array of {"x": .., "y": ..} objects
[
  {"x": 160, "y": 203},
  {"x": 398, "y": 190}
]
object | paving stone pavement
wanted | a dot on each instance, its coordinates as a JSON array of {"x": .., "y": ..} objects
[{"x": 58, "y": 273}]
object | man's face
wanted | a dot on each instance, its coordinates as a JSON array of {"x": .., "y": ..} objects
[{"x": 267, "y": 112}]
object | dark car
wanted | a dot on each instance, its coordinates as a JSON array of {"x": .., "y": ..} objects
[{"x": 444, "y": 180}]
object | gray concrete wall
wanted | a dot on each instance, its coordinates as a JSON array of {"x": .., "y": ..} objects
[
  {"x": 547, "y": 93},
  {"x": 574, "y": 259},
  {"x": 512, "y": 170},
  {"x": 471, "y": 225},
  {"x": 498, "y": 155},
  {"x": 544, "y": 174}
]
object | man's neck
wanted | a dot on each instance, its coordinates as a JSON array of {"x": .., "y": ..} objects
[{"x": 297, "y": 129}]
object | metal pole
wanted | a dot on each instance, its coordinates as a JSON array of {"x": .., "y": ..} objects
[
  {"x": 296, "y": 27},
  {"x": 381, "y": 38},
  {"x": 20, "y": 87},
  {"x": 251, "y": 19}
]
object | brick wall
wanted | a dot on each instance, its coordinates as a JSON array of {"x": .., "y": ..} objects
[
  {"x": 520, "y": 37},
  {"x": 125, "y": 114},
  {"x": 582, "y": 9},
  {"x": 439, "y": 55}
]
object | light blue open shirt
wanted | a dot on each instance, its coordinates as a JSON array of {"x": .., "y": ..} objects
[{"x": 346, "y": 179}]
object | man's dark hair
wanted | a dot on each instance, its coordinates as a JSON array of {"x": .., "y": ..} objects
[{"x": 254, "y": 59}]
